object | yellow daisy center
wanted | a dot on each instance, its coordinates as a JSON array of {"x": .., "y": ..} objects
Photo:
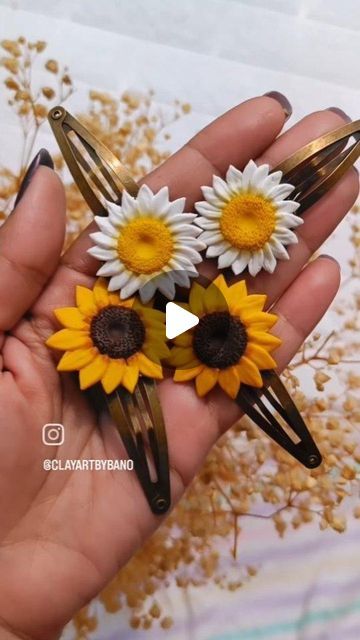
[
  {"x": 145, "y": 245},
  {"x": 248, "y": 221}
]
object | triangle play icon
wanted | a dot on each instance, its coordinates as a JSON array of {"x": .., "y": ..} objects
[{"x": 178, "y": 320}]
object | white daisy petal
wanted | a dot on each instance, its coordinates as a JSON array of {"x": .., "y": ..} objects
[
  {"x": 269, "y": 259},
  {"x": 210, "y": 196},
  {"x": 147, "y": 290},
  {"x": 207, "y": 224},
  {"x": 215, "y": 250},
  {"x": 103, "y": 240},
  {"x": 248, "y": 174},
  {"x": 186, "y": 229},
  {"x": 161, "y": 202},
  {"x": 110, "y": 268},
  {"x": 289, "y": 220},
  {"x": 177, "y": 206},
  {"x": 128, "y": 205},
  {"x": 206, "y": 209},
  {"x": 105, "y": 225},
  {"x": 272, "y": 179},
  {"x": 167, "y": 287},
  {"x": 102, "y": 254},
  {"x": 145, "y": 199},
  {"x": 211, "y": 237},
  {"x": 116, "y": 215},
  {"x": 130, "y": 288},
  {"x": 286, "y": 236},
  {"x": 234, "y": 177},
  {"x": 290, "y": 206},
  {"x": 278, "y": 249},
  {"x": 259, "y": 175},
  {"x": 241, "y": 262},
  {"x": 221, "y": 189},
  {"x": 119, "y": 280},
  {"x": 256, "y": 262},
  {"x": 226, "y": 259},
  {"x": 183, "y": 218},
  {"x": 280, "y": 191}
]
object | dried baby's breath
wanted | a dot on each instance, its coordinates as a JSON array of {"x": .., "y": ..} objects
[{"x": 237, "y": 481}]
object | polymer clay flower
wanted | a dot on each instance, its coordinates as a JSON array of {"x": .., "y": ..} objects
[
  {"x": 109, "y": 340},
  {"x": 147, "y": 243},
  {"x": 230, "y": 345},
  {"x": 247, "y": 219}
]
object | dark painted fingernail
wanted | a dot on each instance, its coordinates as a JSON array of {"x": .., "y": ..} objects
[
  {"x": 340, "y": 113},
  {"x": 327, "y": 257},
  {"x": 282, "y": 100},
  {"x": 42, "y": 158}
]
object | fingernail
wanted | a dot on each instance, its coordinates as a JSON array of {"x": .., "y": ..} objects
[
  {"x": 42, "y": 158},
  {"x": 327, "y": 257},
  {"x": 282, "y": 100},
  {"x": 340, "y": 113}
]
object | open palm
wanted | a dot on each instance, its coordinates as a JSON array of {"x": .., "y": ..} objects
[{"x": 63, "y": 535}]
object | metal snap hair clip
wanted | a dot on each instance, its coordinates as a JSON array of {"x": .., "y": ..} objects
[
  {"x": 318, "y": 166},
  {"x": 232, "y": 347},
  {"x": 129, "y": 391}
]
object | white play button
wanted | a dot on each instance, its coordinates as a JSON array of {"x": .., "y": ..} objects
[{"x": 178, "y": 320}]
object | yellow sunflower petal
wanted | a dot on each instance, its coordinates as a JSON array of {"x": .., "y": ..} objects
[
  {"x": 130, "y": 377},
  {"x": 100, "y": 291},
  {"x": 155, "y": 351},
  {"x": 229, "y": 381},
  {"x": 113, "y": 375},
  {"x": 249, "y": 373},
  {"x": 70, "y": 317},
  {"x": 196, "y": 299},
  {"x": 184, "y": 375},
  {"x": 93, "y": 372},
  {"x": 149, "y": 368},
  {"x": 150, "y": 315},
  {"x": 85, "y": 301},
  {"x": 69, "y": 339},
  {"x": 75, "y": 360},
  {"x": 220, "y": 283},
  {"x": 214, "y": 299},
  {"x": 260, "y": 356},
  {"x": 184, "y": 339},
  {"x": 258, "y": 318},
  {"x": 263, "y": 338},
  {"x": 206, "y": 380},
  {"x": 115, "y": 300},
  {"x": 252, "y": 303},
  {"x": 183, "y": 357},
  {"x": 236, "y": 293}
]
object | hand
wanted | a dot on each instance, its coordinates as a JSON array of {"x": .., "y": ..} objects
[{"x": 64, "y": 535}]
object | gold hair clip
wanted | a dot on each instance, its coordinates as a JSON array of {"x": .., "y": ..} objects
[{"x": 128, "y": 382}]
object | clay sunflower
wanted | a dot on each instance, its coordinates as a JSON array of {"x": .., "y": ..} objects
[
  {"x": 109, "y": 340},
  {"x": 230, "y": 345},
  {"x": 147, "y": 243},
  {"x": 247, "y": 219}
]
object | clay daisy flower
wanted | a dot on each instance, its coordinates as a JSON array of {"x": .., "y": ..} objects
[
  {"x": 147, "y": 243},
  {"x": 230, "y": 345},
  {"x": 247, "y": 219},
  {"x": 109, "y": 340}
]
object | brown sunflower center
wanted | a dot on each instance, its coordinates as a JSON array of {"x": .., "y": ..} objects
[
  {"x": 219, "y": 340},
  {"x": 117, "y": 332}
]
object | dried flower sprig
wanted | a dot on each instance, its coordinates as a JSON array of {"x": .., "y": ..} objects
[{"x": 29, "y": 100}]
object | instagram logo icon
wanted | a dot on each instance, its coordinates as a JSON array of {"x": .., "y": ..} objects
[{"x": 53, "y": 434}]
